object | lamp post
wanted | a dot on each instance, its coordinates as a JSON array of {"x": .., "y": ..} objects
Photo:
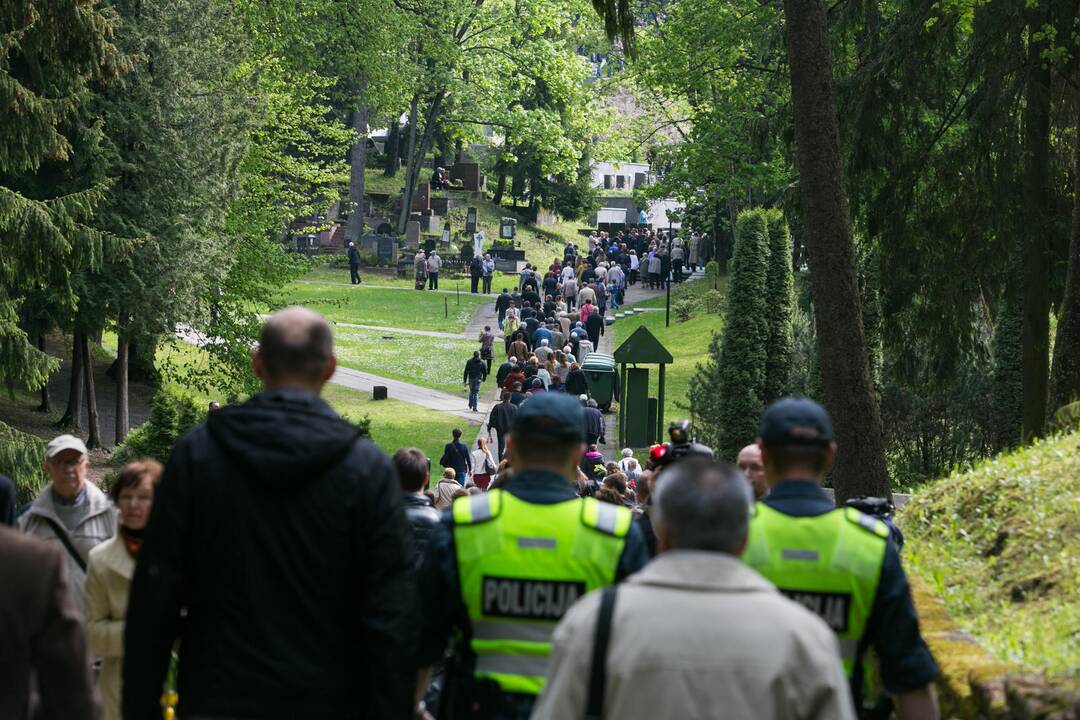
[{"x": 667, "y": 303}]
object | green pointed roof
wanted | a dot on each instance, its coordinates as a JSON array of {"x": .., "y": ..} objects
[{"x": 642, "y": 347}]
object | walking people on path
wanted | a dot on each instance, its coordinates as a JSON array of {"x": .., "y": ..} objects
[
  {"x": 501, "y": 420},
  {"x": 501, "y": 304},
  {"x": 487, "y": 348},
  {"x": 108, "y": 579},
  {"x": 483, "y": 464},
  {"x": 414, "y": 471},
  {"x": 475, "y": 373},
  {"x": 694, "y": 663},
  {"x": 70, "y": 513},
  {"x": 277, "y": 556},
  {"x": 456, "y": 456},
  {"x": 354, "y": 263},
  {"x": 478, "y": 577},
  {"x": 44, "y": 652}
]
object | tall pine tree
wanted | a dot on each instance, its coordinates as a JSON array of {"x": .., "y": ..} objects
[
  {"x": 50, "y": 50},
  {"x": 726, "y": 394},
  {"x": 780, "y": 301}
]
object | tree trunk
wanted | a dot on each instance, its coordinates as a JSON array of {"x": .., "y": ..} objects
[
  {"x": 500, "y": 187},
  {"x": 93, "y": 426},
  {"x": 1036, "y": 255},
  {"x": 121, "y": 389},
  {"x": 1065, "y": 378},
  {"x": 46, "y": 401},
  {"x": 393, "y": 149},
  {"x": 406, "y": 195},
  {"x": 416, "y": 160},
  {"x": 73, "y": 415},
  {"x": 849, "y": 395},
  {"x": 355, "y": 228}
]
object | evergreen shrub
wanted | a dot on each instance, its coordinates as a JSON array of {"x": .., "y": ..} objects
[
  {"x": 726, "y": 393},
  {"x": 683, "y": 309},
  {"x": 780, "y": 302},
  {"x": 21, "y": 458},
  {"x": 171, "y": 415}
]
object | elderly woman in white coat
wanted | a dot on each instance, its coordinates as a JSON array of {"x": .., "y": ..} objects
[{"x": 109, "y": 573}]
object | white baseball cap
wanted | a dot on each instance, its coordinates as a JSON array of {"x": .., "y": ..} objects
[{"x": 60, "y": 443}]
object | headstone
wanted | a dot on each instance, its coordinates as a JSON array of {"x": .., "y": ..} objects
[
  {"x": 507, "y": 228},
  {"x": 386, "y": 250},
  {"x": 470, "y": 220},
  {"x": 470, "y": 176},
  {"x": 422, "y": 198},
  {"x": 412, "y": 235},
  {"x": 478, "y": 244},
  {"x": 446, "y": 234},
  {"x": 384, "y": 229}
]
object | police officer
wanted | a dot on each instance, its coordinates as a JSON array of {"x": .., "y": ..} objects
[
  {"x": 838, "y": 562},
  {"x": 503, "y": 567}
]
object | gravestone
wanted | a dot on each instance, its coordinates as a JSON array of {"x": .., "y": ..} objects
[
  {"x": 469, "y": 175},
  {"x": 422, "y": 198},
  {"x": 387, "y": 250},
  {"x": 412, "y": 235},
  {"x": 470, "y": 221},
  {"x": 446, "y": 234},
  {"x": 507, "y": 228},
  {"x": 478, "y": 244}
]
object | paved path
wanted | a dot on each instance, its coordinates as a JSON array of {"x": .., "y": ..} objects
[{"x": 407, "y": 392}]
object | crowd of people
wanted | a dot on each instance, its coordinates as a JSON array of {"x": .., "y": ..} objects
[{"x": 296, "y": 571}]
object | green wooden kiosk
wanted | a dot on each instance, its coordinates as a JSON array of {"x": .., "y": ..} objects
[{"x": 641, "y": 418}]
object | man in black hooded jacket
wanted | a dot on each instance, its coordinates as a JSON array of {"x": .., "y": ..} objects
[{"x": 280, "y": 531}]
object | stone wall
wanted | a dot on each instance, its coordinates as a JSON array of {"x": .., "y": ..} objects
[{"x": 974, "y": 685}]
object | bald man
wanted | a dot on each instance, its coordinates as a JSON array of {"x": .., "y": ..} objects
[
  {"x": 280, "y": 530},
  {"x": 749, "y": 461}
]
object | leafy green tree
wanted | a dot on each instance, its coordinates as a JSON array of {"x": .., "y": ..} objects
[{"x": 780, "y": 301}]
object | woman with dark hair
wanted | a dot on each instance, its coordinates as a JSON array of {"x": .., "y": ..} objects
[{"x": 109, "y": 573}]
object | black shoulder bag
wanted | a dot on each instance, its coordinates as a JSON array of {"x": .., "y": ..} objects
[
  {"x": 63, "y": 537},
  {"x": 594, "y": 706}
]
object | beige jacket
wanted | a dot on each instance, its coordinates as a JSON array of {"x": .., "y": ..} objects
[
  {"x": 98, "y": 526},
  {"x": 699, "y": 635},
  {"x": 108, "y": 581}
]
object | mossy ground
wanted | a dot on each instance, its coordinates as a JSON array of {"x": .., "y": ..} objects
[{"x": 1000, "y": 545}]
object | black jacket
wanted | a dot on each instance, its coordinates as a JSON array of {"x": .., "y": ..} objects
[
  {"x": 474, "y": 368},
  {"x": 502, "y": 372},
  {"x": 423, "y": 516},
  {"x": 282, "y": 534},
  {"x": 502, "y": 302},
  {"x": 575, "y": 383},
  {"x": 502, "y": 417}
]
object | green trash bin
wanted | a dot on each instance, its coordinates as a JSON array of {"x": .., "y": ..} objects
[{"x": 602, "y": 378}]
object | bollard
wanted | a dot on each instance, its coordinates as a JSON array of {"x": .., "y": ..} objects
[{"x": 446, "y": 307}]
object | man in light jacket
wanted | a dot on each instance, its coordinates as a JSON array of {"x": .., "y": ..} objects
[
  {"x": 70, "y": 513},
  {"x": 727, "y": 643}
]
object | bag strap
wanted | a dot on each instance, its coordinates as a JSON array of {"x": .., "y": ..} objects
[
  {"x": 63, "y": 537},
  {"x": 594, "y": 707}
]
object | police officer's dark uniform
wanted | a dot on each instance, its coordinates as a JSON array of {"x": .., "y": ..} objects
[
  {"x": 503, "y": 567},
  {"x": 838, "y": 562}
]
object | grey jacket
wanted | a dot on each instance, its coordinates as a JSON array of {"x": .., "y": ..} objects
[{"x": 98, "y": 526}]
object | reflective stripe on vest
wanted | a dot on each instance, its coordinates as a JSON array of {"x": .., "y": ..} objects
[
  {"x": 828, "y": 563},
  {"x": 521, "y": 566}
]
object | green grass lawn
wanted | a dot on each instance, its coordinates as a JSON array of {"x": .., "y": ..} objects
[
  {"x": 688, "y": 343},
  {"x": 430, "y": 362},
  {"x": 329, "y": 292},
  {"x": 1000, "y": 544},
  {"x": 396, "y": 424}
]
